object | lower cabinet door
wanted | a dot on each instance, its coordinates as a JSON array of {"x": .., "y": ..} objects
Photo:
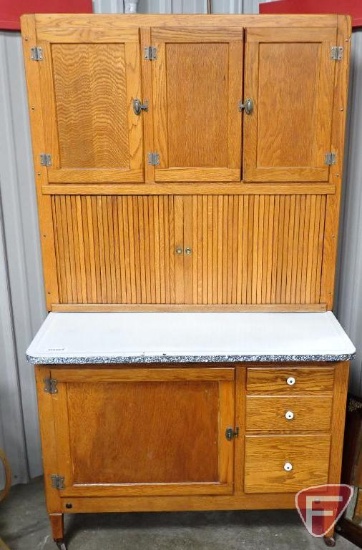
[
  {"x": 144, "y": 431},
  {"x": 285, "y": 463}
]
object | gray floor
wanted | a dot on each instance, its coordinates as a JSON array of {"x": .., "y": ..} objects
[{"x": 24, "y": 525}]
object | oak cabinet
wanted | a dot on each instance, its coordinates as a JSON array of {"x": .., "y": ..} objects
[
  {"x": 192, "y": 85},
  {"x": 184, "y": 436},
  {"x": 188, "y": 161}
]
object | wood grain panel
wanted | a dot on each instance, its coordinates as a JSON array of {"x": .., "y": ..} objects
[
  {"x": 307, "y": 380},
  {"x": 265, "y": 413},
  {"x": 145, "y": 405},
  {"x": 286, "y": 138},
  {"x": 92, "y": 133},
  {"x": 255, "y": 249},
  {"x": 197, "y": 126},
  {"x": 85, "y": 118},
  {"x": 115, "y": 250},
  {"x": 265, "y": 457}
]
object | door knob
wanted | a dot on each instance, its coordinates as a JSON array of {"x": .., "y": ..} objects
[
  {"x": 138, "y": 106},
  {"x": 179, "y": 250},
  {"x": 247, "y": 106},
  {"x": 188, "y": 250}
]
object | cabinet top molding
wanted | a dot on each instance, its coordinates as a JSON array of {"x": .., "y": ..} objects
[{"x": 62, "y": 22}]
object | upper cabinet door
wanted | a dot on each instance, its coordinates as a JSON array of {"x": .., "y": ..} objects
[
  {"x": 89, "y": 79},
  {"x": 289, "y": 76},
  {"x": 197, "y": 87}
]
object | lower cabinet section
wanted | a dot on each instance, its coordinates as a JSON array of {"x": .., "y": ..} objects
[{"x": 188, "y": 436}]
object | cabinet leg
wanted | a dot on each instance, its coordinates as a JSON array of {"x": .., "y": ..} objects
[
  {"x": 329, "y": 539},
  {"x": 57, "y": 524}
]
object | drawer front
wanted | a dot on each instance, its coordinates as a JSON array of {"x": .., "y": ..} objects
[
  {"x": 304, "y": 413},
  {"x": 285, "y": 464},
  {"x": 290, "y": 380}
]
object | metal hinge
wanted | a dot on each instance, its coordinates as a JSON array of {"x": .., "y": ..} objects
[
  {"x": 337, "y": 53},
  {"x": 45, "y": 159},
  {"x": 150, "y": 53},
  {"x": 50, "y": 385},
  {"x": 57, "y": 481},
  {"x": 36, "y": 54},
  {"x": 330, "y": 159},
  {"x": 230, "y": 433},
  {"x": 153, "y": 158}
]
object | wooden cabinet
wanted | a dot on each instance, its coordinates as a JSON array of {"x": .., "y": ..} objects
[
  {"x": 188, "y": 164},
  {"x": 187, "y": 436},
  {"x": 222, "y": 137}
]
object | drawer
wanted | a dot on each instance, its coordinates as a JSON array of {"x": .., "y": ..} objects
[
  {"x": 301, "y": 413},
  {"x": 285, "y": 463},
  {"x": 290, "y": 380}
]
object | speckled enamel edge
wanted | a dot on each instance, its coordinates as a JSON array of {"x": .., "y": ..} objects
[{"x": 185, "y": 359}]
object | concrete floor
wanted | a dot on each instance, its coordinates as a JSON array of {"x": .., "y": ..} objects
[{"x": 24, "y": 525}]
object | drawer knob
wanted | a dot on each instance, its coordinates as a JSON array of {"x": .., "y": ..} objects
[
  {"x": 288, "y": 467},
  {"x": 291, "y": 381},
  {"x": 289, "y": 415}
]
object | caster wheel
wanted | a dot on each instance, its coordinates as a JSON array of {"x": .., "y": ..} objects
[
  {"x": 329, "y": 541},
  {"x": 61, "y": 545}
]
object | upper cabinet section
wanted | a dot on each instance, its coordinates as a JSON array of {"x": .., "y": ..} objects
[
  {"x": 182, "y": 99},
  {"x": 197, "y": 85},
  {"x": 289, "y": 76},
  {"x": 88, "y": 82}
]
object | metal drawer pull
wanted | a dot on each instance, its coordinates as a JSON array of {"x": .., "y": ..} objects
[
  {"x": 188, "y": 250},
  {"x": 179, "y": 250},
  {"x": 289, "y": 415},
  {"x": 291, "y": 381},
  {"x": 288, "y": 467}
]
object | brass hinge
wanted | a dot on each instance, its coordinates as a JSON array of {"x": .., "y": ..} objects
[
  {"x": 36, "y": 54},
  {"x": 50, "y": 385},
  {"x": 45, "y": 159},
  {"x": 150, "y": 53},
  {"x": 337, "y": 53},
  {"x": 153, "y": 158},
  {"x": 330, "y": 159},
  {"x": 57, "y": 481},
  {"x": 230, "y": 433}
]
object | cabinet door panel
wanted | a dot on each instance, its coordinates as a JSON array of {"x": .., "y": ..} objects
[
  {"x": 197, "y": 84},
  {"x": 118, "y": 249},
  {"x": 146, "y": 431},
  {"x": 289, "y": 74},
  {"x": 253, "y": 250},
  {"x": 90, "y": 128}
]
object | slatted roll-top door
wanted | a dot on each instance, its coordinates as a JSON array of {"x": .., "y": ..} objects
[
  {"x": 197, "y": 85},
  {"x": 289, "y": 75},
  {"x": 88, "y": 82}
]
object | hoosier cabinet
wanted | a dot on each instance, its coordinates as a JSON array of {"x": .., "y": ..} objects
[{"x": 188, "y": 173}]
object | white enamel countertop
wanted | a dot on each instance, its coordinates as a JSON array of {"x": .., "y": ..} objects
[{"x": 67, "y": 338}]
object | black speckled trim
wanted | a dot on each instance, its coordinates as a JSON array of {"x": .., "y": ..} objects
[{"x": 185, "y": 359}]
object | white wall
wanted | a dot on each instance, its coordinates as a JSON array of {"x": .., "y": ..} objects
[{"x": 22, "y": 306}]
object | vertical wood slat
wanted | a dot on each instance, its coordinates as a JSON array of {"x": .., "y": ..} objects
[{"x": 260, "y": 249}]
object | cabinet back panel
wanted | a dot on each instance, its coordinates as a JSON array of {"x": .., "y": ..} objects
[{"x": 245, "y": 249}]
